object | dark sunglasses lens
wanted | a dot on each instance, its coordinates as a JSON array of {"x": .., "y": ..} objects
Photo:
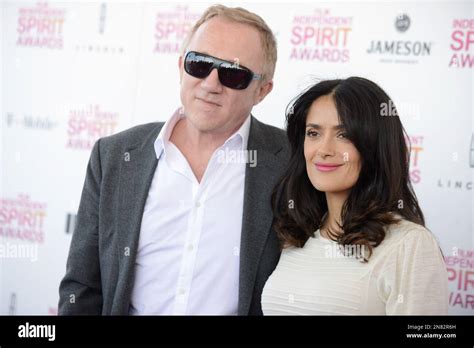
[
  {"x": 233, "y": 77},
  {"x": 197, "y": 66}
]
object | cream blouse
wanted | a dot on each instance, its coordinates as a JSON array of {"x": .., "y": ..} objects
[{"x": 406, "y": 274}]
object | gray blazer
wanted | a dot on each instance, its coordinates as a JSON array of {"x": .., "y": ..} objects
[{"x": 100, "y": 267}]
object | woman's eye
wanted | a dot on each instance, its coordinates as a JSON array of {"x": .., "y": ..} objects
[
  {"x": 342, "y": 135},
  {"x": 311, "y": 133}
]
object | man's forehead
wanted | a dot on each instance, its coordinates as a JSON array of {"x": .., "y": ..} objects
[
  {"x": 223, "y": 26},
  {"x": 226, "y": 40}
]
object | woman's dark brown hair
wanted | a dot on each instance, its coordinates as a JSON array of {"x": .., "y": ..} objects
[{"x": 383, "y": 188}]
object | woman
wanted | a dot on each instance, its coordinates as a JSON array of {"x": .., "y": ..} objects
[{"x": 349, "y": 223}]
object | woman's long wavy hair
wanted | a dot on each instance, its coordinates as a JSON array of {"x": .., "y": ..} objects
[{"x": 383, "y": 191}]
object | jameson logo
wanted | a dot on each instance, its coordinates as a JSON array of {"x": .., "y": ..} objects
[
  {"x": 89, "y": 123},
  {"x": 401, "y": 49},
  {"x": 40, "y": 26},
  {"x": 402, "y": 23},
  {"x": 171, "y": 27},
  {"x": 462, "y": 44},
  {"x": 37, "y": 331},
  {"x": 320, "y": 36}
]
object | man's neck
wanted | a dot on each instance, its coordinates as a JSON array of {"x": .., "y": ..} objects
[
  {"x": 187, "y": 134},
  {"x": 196, "y": 146}
]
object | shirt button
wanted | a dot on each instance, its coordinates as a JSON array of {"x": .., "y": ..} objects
[
  {"x": 182, "y": 291},
  {"x": 190, "y": 247},
  {"x": 198, "y": 204}
]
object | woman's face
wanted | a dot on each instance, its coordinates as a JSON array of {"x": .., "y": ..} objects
[{"x": 332, "y": 161}]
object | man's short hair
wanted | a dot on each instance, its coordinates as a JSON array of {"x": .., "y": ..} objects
[{"x": 241, "y": 15}]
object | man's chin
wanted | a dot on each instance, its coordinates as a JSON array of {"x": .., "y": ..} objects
[{"x": 204, "y": 122}]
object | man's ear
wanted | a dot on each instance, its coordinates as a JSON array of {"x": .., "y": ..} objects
[
  {"x": 263, "y": 91},
  {"x": 180, "y": 67}
]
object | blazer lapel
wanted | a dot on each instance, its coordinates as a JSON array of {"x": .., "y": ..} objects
[
  {"x": 136, "y": 174},
  {"x": 257, "y": 214}
]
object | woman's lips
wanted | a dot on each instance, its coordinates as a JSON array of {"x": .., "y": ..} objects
[{"x": 323, "y": 167}]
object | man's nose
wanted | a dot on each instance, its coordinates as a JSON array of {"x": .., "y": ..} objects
[{"x": 211, "y": 83}]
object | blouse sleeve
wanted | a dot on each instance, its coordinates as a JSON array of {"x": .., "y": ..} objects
[{"x": 414, "y": 279}]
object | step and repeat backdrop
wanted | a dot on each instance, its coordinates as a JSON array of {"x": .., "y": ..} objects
[{"x": 72, "y": 72}]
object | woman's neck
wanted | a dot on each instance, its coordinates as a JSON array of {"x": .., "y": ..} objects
[{"x": 335, "y": 201}]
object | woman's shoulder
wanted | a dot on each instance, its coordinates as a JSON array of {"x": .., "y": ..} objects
[
  {"x": 412, "y": 269},
  {"x": 407, "y": 237},
  {"x": 405, "y": 230}
]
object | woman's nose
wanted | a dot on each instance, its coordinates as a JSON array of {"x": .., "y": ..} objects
[{"x": 326, "y": 147}]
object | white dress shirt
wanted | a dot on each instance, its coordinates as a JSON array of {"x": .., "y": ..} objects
[{"x": 188, "y": 251}]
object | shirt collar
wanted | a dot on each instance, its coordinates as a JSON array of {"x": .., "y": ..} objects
[
  {"x": 165, "y": 132},
  {"x": 239, "y": 138}
]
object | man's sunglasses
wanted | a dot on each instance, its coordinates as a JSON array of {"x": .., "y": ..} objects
[{"x": 231, "y": 75}]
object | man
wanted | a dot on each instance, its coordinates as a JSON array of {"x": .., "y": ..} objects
[{"x": 169, "y": 221}]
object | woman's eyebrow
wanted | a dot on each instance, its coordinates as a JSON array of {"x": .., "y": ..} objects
[{"x": 317, "y": 126}]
